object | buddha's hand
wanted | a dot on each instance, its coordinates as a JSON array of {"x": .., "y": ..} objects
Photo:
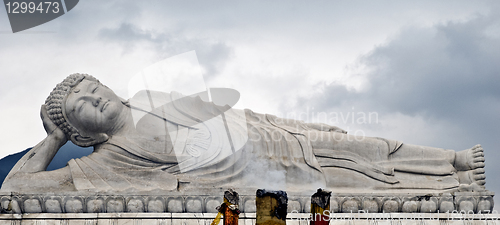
[
  {"x": 53, "y": 131},
  {"x": 337, "y": 129},
  {"x": 326, "y": 127}
]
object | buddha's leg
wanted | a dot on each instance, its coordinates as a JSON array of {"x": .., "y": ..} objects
[
  {"x": 367, "y": 147},
  {"x": 469, "y": 163},
  {"x": 417, "y": 152},
  {"x": 343, "y": 176},
  {"x": 377, "y": 149}
]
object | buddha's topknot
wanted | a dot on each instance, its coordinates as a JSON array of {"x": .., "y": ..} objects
[{"x": 54, "y": 102}]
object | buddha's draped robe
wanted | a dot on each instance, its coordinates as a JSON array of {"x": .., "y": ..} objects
[{"x": 189, "y": 143}]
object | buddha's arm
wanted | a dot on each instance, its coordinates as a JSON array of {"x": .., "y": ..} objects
[
  {"x": 40, "y": 156},
  {"x": 29, "y": 172},
  {"x": 325, "y": 127}
]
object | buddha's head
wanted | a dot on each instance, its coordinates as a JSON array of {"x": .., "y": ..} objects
[{"x": 84, "y": 109}]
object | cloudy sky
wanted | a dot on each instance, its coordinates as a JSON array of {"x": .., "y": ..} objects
[{"x": 429, "y": 70}]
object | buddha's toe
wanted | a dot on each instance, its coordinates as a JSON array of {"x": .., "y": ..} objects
[
  {"x": 478, "y": 157},
  {"x": 480, "y": 183},
  {"x": 478, "y": 165},
  {"x": 479, "y": 171},
  {"x": 479, "y": 177},
  {"x": 477, "y": 148}
]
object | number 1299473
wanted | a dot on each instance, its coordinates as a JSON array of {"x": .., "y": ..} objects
[{"x": 33, "y": 7}]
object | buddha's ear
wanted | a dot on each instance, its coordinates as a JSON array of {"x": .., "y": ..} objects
[{"x": 88, "y": 141}]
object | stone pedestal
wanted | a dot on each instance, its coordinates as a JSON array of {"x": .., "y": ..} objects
[
  {"x": 245, "y": 219},
  {"x": 14, "y": 203}
]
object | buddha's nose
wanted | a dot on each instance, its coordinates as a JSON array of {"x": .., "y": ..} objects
[{"x": 97, "y": 101}]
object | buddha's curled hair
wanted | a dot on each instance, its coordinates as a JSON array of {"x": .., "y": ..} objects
[{"x": 54, "y": 102}]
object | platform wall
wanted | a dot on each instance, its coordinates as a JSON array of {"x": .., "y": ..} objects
[{"x": 245, "y": 219}]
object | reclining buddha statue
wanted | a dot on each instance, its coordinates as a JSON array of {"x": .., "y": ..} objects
[{"x": 188, "y": 143}]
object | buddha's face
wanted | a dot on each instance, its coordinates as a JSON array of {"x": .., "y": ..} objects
[{"x": 92, "y": 107}]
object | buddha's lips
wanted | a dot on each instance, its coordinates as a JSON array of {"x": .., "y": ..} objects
[{"x": 104, "y": 105}]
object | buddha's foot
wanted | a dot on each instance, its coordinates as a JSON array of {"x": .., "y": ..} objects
[
  {"x": 472, "y": 180},
  {"x": 470, "y": 169},
  {"x": 469, "y": 159}
]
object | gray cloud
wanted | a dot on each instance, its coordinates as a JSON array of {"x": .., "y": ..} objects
[
  {"x": 448, "y": 72},
  {"x": 211, "y": 54}
]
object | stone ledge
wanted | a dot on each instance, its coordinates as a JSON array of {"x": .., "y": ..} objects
[
  {"x": 290, "y": 216},
  {"x": 87, "y": 203}
]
